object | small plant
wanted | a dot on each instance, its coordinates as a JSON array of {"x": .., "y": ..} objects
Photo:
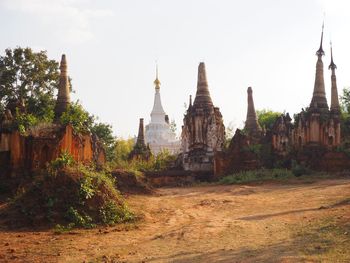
[
  {"x": 298, "y": 169},
  {"x": 24, "y": 120},
  {"x": 87, "y": 188},
  {"x": 79, "y": 220},
  {"x": 60, "y": 229},
  {"x": 111, "y": 213},
  {"x": 64, "y": 160}
]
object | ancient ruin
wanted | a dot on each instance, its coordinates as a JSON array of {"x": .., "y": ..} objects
[
  {"x": 158, "y": 134},
  {"x": 203, "y": 130},
  {"x": 140, "y": 150},
  {"x": 252, "y": 125},
  {"x": 45, "y": 142},
  {"x": 318, "y": 125}
]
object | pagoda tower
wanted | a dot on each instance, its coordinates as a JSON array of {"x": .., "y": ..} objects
[
  {"x": 203, "y": 130},
  {"x": 251, "y": 124},
  {"x": 319, "y": 125},
  {"x": 140, "y": 150},
  {"x": 63, "y": 96},
  {"x": 158, "y": 133}
]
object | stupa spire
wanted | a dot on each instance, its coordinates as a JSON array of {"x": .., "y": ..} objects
[
  {"x": 156, "y": 81},
  {"x": 251, "y": 123},
  {"x": 158, "y": 113},
  {"x": 63, "y": 96},
  {"x": 141, "y": 135},
  {"x": 202, "y": 98},
  {"x": 320, "y": 51},
  {"x": 334, "y": 91},
  {"x": 319, "y": 100}
]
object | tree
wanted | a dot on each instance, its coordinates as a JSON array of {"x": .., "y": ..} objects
[
  {"x": 345, "y": 113},
  {"x": 29, "y": 77},
  {"x": 105, "y": 133},
  {"x": 173, "y": 127},
  {"x": 267, "y": 118},
  {"x": 122, "y": 151},
  {"x": 78, "y": 117}
]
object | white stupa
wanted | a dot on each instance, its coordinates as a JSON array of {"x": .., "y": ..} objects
[{"x": 158, "y": 134}]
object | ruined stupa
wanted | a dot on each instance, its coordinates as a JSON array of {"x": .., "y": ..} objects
[{"x": 203, "y": 131}]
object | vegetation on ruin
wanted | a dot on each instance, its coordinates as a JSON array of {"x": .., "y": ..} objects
[
  {"x": 29, "y": 82},
  {"x": 267, "y": 118},
  {"x": 71, "y": 195}
]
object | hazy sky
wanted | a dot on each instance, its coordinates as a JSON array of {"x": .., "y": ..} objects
[{"x": 112, "y": 46}]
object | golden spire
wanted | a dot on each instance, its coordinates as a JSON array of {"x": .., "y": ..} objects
[{"x": 157, "y": 82}]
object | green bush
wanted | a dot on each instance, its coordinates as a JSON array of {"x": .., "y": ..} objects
[
  {"x": 256, "y": 175},
  {"x": 78, "y": 195},
  {"x": 79, "y": 220},
  {"x": 111, "y": 213},
  {"x": 24, "y": 120},
  {"x": 298, "y": 169},
  {"x": 65, "y": 159}
]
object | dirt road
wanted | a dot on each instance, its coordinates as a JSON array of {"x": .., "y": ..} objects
[{"x": 270, "y": 222}]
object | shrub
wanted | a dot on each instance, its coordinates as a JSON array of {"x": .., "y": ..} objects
[
  {"x": 111, "y": 213},
  {"x": 77, "y": 219},
  {"x": 78, "y": 195},
  {"x": 64, "y": 160},
  {"x": 256, "y": 175},
  {"x": 298, "y": 169}
]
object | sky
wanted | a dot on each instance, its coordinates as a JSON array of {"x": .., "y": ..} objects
[{"x": 112, "y": 48}]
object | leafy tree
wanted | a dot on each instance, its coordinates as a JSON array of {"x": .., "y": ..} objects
[
  {"x": 105, "y": 133},
  {"x": 173, "y": 127},
  {"x": 78, "y": 117},
  {"x": 345, "y": 113},
  {"x": 345, "y": 100},
  {"x": 30, "y": 77},
  {"x": 267, "y": 118},
  {"x": 122, "y": 150}
]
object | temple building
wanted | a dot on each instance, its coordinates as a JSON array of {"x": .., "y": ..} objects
[
  {"x": 140, "y": 150},
  {"x": 203, "y": 131},
  {"x": 252, "y": 125},
  {"x": 42, "y": 143},
  {"x": 319, "y": 124},
  {"x": 158, "y": 134}
]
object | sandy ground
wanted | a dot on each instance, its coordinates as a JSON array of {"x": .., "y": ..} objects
[{"x": 270, "y": 222}]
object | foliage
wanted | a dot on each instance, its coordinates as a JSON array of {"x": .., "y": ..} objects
[
  {"x": 30, "y": 77},
  {"x": 79, "y": 220},
  {"x": 256, "y": 175},
  {"x": 87, "y": 188},
  {"x": 112, "y": 214},
  {"x": 267, "y": 118},
  {"x": 254, "y": 148},
  {"x": 122, "y": 150},
  {"x": 173, "y": 127},
  {"x": 105, "y": 133},
  {"x": 65, "y": 159},
  {"x": 24, "y": 120},
  {"x": 229, "y": 133},
  {"x": 74, "y": 197},
  {"x": 345, "y": 113},
  {"x": 298, "y": 169},
  {"x": 345, "y": 100},
  {"x": 162, "y": 161},
  {"x": 78, "y": 117}
]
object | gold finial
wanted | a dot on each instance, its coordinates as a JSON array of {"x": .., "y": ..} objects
[{"x": 157, "y": 82}]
